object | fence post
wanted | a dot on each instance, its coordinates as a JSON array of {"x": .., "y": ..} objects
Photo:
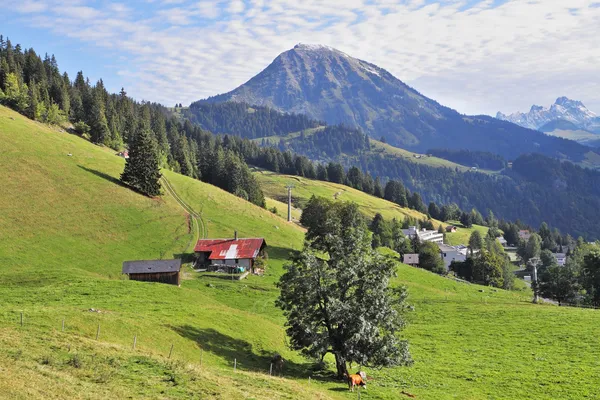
[
  {"x": 134, "y": 341},
  {"x": 98, "y": 332},
  {"x": 234, "y": 364},
  {"x": 171, "y": 351},
  {"x": 271, "y": 369},
  {"x": 63, "y": 325},
  {"x": 201, "y": 357},
  {"x": 21, "y": 318},
  {"x": 309, "y": 379}
]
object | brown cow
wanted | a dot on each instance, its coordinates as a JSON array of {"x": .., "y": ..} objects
[{"x": 355, "y": 380}]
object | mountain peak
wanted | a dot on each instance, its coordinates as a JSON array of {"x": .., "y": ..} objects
[{"x": 563, "y": 109}]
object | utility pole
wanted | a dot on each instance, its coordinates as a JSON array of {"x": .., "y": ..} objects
[
  {"x": 289, "y": 189},
  {"x": 535, "y": 284}
]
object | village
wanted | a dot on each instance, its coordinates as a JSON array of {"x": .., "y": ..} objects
[{"x": 240, "y": 257}]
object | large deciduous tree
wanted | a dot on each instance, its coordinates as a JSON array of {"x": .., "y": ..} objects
[
  {"x": 142, "y": 170},
  {"x": 337, "y": 298}
]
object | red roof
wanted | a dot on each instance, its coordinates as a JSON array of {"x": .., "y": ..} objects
[{"x": 228, "y": 249}]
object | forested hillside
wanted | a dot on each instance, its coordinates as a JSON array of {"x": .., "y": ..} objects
[{"x": 558, "y": 195}]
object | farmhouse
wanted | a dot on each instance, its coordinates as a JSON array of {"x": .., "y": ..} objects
[
  {"x": 163, "y": 271},
  {"x": 230, "y": 253},
  {"x": 450, "y": 229}
]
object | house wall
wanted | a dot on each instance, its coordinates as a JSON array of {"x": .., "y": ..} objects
[
  {"x": 242, "y": 262},
  {"x": 171, "y": 278},
  {"x": 450, "y": 256}
]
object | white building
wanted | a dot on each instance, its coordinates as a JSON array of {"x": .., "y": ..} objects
[
  {"x": 452, "y": 253},
  {"x": 561, "y": 258},
  {"x": 424, "y": 234}
]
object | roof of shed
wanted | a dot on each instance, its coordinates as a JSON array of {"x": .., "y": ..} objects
[
  {"x": 228, "y": 249},
  {"x": 151, "y": 266}
]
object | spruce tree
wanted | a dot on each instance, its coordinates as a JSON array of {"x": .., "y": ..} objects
[{"x": 141, "y": 168}]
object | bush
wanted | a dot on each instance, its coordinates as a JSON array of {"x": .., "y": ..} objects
[
  {"x": 82, "y": 128},
  {"x": 273, "y": 210}
]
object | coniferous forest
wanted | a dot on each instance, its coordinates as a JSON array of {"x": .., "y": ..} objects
[{"x": 537, "y": 188}]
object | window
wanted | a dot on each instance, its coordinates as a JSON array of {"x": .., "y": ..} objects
[{"x": 237, "y": 261}]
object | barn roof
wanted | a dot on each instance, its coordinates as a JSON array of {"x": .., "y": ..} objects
[
  {"x": 151, "y": 266},
  {"x": 229, "y": 249}
]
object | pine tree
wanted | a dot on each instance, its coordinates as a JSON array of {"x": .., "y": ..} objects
[
  {"x": 141, "y": 168},
  {"x": 98, "y": 123}
]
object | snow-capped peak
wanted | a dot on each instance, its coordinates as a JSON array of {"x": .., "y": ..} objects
[{"x": 563, "y": 109}]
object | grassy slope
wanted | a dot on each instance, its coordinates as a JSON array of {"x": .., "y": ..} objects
[
  {"x": 466, "y": 344},
  {"x": 274, "y": 187},
  {"x": 66, "y": 227}
]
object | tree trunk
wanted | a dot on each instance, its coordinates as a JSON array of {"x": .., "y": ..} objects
[{"x": 340, "y": 366}]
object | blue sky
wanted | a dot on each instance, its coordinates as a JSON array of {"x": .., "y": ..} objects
[{"x": 477, "y": 56}]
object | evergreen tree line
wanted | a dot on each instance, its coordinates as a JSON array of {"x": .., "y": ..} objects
[
  {"x": 246, "y": 121},
  {"x": 35, "y": 87}
]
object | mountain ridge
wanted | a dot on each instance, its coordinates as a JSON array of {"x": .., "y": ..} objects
[
  {"x": 329, "y": 85},
  {"x": 563, "y": 109}
]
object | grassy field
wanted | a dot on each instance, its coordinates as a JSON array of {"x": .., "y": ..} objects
[
  {"x": 462, "y": 234},
  {"x": 66, "y": 226},
  {"x": 274, "y": 186}
]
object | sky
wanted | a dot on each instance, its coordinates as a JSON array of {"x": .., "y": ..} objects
[{"x": 478, "y": 57}]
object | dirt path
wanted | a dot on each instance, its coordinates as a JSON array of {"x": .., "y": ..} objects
[{"x": 197, "y": 221}]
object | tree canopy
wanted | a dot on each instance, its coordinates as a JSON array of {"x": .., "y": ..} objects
[{"x": 336, "y": 296}]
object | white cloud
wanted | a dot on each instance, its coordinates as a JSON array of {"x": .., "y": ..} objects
[{"x": 479, "y": 59}]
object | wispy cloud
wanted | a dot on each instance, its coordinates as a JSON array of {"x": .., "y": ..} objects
[{"x": 477, "y": 56}]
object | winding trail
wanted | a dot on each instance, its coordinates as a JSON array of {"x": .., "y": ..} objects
[{"x": 197, "y": 221}]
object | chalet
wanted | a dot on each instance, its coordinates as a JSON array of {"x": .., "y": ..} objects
[
  {"x": 450, "y": 229},
  {"x": 163, "y": 271},
  {"x": 229, "y": 254},
  {"x": 411, "y": 259},
  {"x": 124, "y": 154}
]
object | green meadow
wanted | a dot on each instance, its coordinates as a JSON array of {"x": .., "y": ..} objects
[{"x": 66, "y": 226}]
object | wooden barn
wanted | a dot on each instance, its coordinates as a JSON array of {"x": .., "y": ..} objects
[{"x": 163, "y": 271}]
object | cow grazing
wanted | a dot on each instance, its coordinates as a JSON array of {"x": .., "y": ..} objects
[{"x": 355, "y": 380}]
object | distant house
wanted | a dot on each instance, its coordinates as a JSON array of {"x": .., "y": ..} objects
[
  {"x": 524, "y": 235},
  {"x": 424, "y": 234},
  {"x": 163, "y": 271},
  {"x": 502, "y": 241},
  {"x": 411, "y": 259},
  {"x": 450, "y": 229},
  {"x": 561, "y": 258},
  {"x": 124, "y": 154},
  {"x": 452, "y": 253},
  {"x": 229, "y": 254}
]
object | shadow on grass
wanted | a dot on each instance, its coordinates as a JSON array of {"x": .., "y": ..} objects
[
  {"x": 240, "y": 350},
  {"x": 102, "y": 175},
  {"x": 111, "y": 179}
]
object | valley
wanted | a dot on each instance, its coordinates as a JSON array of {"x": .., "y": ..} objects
[{"x": 466, "y": 340}]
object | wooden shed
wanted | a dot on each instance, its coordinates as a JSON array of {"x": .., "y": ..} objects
[{"x": 163, "y": 271}]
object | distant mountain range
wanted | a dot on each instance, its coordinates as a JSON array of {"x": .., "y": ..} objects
[
  {"x": 329, "y": 85},
  {"x": 564, "y": 114}
]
